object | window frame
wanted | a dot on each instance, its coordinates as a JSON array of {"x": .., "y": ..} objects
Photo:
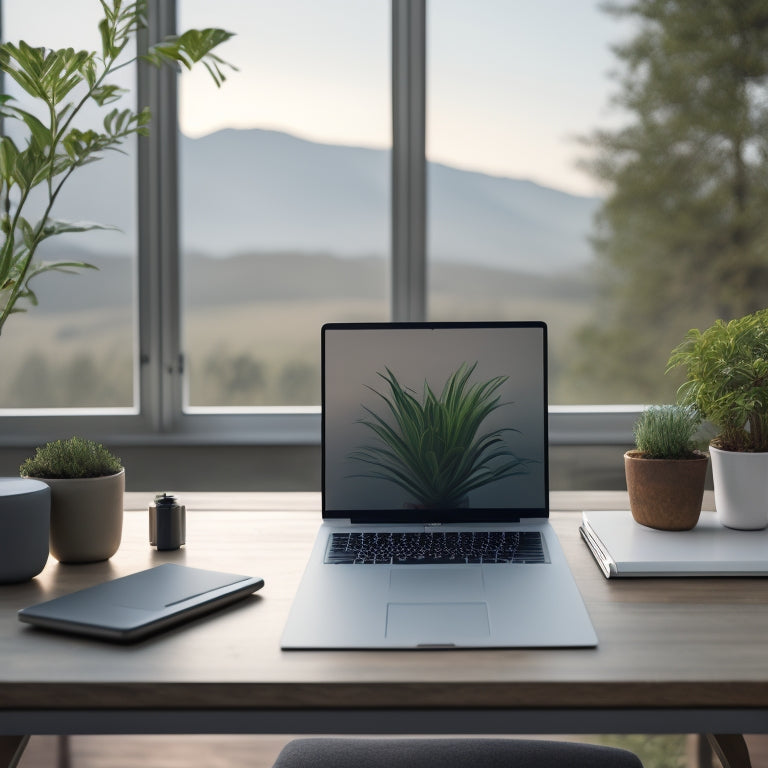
[{"x": 160, "y": 416}]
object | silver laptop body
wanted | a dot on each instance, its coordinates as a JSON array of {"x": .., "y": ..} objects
[
  {"x": 489, "y": 380},
  {"x": 625, "y": 549}
]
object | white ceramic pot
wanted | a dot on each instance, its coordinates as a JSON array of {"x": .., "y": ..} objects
[
  {"x": 24, "y": 522},
  {"x": 86, "y": 517},
  {"x": 741, "y": 488}
]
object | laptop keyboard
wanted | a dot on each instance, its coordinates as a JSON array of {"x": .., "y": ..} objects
[{"x": 436, "y": 547}]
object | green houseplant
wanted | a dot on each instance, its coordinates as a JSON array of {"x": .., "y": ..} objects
[
  {"x": 58, "y": 84},
  {"x": 87, "y": 483},
  {"x": 665, "y": 472},
  {"x": 67, "y": 459},
  {"x": 431, "y": 447},
  {"x": 726, "y": 369}
]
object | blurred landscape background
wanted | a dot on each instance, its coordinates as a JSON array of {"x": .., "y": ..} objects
[{"x": 280, "y": 235}]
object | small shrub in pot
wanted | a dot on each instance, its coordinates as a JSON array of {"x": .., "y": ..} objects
[
  {"x": 666, "y": 472},
  {"x": 87, "y": 484}
]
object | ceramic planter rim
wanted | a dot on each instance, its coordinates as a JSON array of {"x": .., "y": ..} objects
[
  {"x": 698, "y": 456},
  {"x": 84, "y": 479},
  {"x": 746, "y": 453}
]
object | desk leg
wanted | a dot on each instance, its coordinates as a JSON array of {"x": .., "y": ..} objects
[
  {"x": 11, "y": 749},
  {"x": 731, "y": 749},
  {"x": 64, "y": 759}
]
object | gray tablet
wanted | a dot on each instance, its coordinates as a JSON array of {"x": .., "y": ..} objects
[{"x": 132, "y": 607}]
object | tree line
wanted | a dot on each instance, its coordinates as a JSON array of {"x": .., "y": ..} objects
[{"x": 682, "y": 235}]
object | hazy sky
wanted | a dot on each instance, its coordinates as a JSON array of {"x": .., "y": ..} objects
[{"x": 510, "y": 82}]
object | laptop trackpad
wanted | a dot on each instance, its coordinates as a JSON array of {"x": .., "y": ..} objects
[
  {"x": 437, "y": 624},
  {"x": 462, "y": 584}
]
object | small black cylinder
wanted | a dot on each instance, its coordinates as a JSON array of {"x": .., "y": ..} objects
[{"x": 167, "y": 523}]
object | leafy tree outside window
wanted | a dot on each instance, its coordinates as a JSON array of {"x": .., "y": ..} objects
[{"x": 682, "y": 237}]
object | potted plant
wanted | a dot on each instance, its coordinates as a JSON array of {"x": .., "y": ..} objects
[
  {"x": 432, "y": 449},
  {"x": 726, "y": 369},
  {"x": 58, "y": 85},
  {"x": 87, "y": 484},
  {"x": 665, "y": 472}
]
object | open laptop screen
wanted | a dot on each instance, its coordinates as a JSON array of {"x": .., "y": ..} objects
[{"x": 435, "y": 422}]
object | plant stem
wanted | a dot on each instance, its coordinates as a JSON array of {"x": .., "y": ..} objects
[{"x": 10, "y": 241}]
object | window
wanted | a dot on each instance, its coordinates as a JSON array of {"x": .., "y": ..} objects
[
  {"x": 284, "y": 195},
  {"x": 509, "y": 209},
  {"x": 301, "y": 196},
  {"x": 78, "y": 348}
]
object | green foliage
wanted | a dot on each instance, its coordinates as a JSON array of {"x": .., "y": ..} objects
[
  {"x": 60, "y": 83},
  {"x": 667, "y": 431},
  {"x": 727, "y": 379},
  {"x": 195, "y": 45},
  {"x": 681, "y": 235},
  {"x": 433, "y": 450},
  {"x": 75, "y": 457}
]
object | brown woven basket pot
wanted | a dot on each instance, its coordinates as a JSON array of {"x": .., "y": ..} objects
[{"x": 665, "y": 493}]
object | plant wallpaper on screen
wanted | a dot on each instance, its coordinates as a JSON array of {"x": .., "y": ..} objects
[
  {"x": 434, "y": 448},
  {"x": 357, "y": 366}
]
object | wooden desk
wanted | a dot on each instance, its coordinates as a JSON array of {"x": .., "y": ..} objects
[{"x": 674, "y": 655}]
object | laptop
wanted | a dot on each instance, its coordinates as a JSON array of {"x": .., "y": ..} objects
[
  {"x": 135, "y": 606},
  {"x": 625, "y": 549},
  {"x": 435, "y": 500}
]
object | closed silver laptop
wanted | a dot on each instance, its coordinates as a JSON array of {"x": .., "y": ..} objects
[
  {"x": 625, "y": 549},
  {"x": 435, "y": 527}
]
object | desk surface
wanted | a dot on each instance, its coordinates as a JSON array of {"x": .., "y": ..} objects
[{"x": 676, "y": 646}]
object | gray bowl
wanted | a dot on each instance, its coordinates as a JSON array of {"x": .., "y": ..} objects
[{"x": 25, "y": 513}]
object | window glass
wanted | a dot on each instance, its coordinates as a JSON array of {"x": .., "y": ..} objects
[
  {"x": 515, "y": 92},
  {"x": 77, "y": 348},
  {"x": 285, "y": 208}
]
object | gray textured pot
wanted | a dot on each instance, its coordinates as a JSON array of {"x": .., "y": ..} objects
[
  {"x": 86, "y": 517},
  {"x": 24, "y": 522}
]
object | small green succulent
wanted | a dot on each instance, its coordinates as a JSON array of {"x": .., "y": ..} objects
[
  {"x": 667, "y": 431},
  {"x": 75, "y": 457}
]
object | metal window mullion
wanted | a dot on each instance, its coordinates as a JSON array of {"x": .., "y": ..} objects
[
  {"x": 159, "y": 271},
  {"x": 409, "y": 205}
]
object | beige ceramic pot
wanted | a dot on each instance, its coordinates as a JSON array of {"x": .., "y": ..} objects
[
  {"x": 665, "y": 493},
  {"x": 86, "y": 517}
]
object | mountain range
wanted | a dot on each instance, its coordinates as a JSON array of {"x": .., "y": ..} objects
[
  {"x": 246, "y": 189},
  {"x": 253, "y": 190}
]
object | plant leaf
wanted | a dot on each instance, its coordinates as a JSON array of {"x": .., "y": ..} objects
[
  {"x": 432, "y": 449},
  {"x": 194, "y": 45}
]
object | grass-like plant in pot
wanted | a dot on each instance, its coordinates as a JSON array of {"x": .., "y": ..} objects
[
  {"x": 726, "y": 369},
  {"x": 57, "y": 85},
  {"x": 666, "y": 472},
  {"x": 434, "y": 448},
  {"x": 87, "y": 483}
]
